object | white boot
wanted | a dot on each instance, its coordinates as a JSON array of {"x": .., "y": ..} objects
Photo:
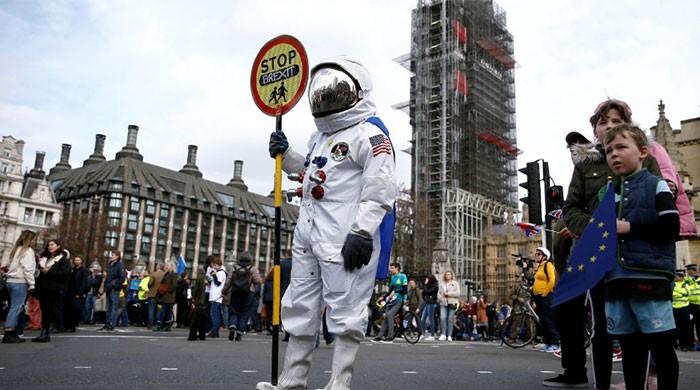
[
  {"x": 343, "y": 362},
  {"x": 297, "y": 361}
]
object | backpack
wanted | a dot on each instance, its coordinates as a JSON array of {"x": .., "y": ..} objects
[
  {"x": 241, "y": 279},
  {"x": 386, "y": 228}
]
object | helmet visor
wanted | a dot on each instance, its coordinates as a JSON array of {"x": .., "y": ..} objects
[{"x": 332, "y": 90}]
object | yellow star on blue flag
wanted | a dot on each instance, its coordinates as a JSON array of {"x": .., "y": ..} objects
[{"x": 593, "y": 255}]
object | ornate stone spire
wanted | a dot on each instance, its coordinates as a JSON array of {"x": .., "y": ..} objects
[{"x": 663, "y": 134}]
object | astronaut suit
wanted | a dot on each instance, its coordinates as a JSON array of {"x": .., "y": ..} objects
[{"x": 348, "y": 186}]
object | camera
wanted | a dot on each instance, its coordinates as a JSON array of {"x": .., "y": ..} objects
[{"x": 523, "y": 262}]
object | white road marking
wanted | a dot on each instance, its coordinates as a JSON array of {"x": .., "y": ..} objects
[
  {"x": 435, "y": 346},
  {"x": 409, "y": 372},
  {"x": 113, "y": 336},
  {"x": 82, "y": 367},
  {"x": 327, "y": 372},
  {"x": 2, "y": 368},
  {"x": 169, "y": 369},
  {"x": 547, "y": 372},
  {"x": 484, "y": 372},
  {"x": 617, "y": 372},
  {"x": 468, "y": 347},
  {"x": 249, "y": 371}
]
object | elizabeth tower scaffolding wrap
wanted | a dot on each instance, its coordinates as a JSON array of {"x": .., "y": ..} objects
[{"x": 462, "y": 111}]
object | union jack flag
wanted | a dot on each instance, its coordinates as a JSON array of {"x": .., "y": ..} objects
[
  {"x": 380, "y": 144},
  {"x": 528, "y": 228},
  {"x": 556, "y": 214}
]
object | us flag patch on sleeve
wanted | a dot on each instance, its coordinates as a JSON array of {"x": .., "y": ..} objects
[{"x": 380, "y": 144}]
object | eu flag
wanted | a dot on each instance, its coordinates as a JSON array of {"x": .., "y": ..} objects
[
  {"x": 181, "y": 265},
  {"x": 593, "y": 255}
]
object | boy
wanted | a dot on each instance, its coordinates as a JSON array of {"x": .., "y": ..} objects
[
  {"x": 590, "y": 174},
  {"x": 199, "y": 319},
  {"x": 638, "y": 287}
]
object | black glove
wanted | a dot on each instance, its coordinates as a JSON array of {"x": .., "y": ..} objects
[
  {"x": 356, "y": 251},
  {"x": 278, "y": 143}
]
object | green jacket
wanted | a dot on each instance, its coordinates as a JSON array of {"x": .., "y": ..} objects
[
  {"x": 591, "y": 172},
  {"x": 169, "y": 279}
]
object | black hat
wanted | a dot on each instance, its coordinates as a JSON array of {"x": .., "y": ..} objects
[
  {"x": 691, "y": 266},
  {"x": 245, "y": 259},
  {"x": 575, "y": 137},
  {"x": 680, "y": 272}
]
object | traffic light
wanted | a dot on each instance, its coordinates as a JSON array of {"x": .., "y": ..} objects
[
  {"x": 554, "y": 198},
  {"x": 533, "y": 199}
]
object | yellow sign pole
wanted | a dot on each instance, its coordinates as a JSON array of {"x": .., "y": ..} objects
[
  {"x": 277, "y": 81},
  {"x": 276, "y": 274}
]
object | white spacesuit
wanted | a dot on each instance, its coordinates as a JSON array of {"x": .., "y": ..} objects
[{"x": 348, "y": 186}]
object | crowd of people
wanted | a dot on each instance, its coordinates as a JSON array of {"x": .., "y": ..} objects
[
  {"x": 438, "y": 307},
  {"x": 54, "y": 292},
  {"x": 638, "y": 305}
]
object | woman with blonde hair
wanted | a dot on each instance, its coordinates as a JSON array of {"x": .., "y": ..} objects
[
  {"x": 20, "y": 281},
  {"x": 448, "y": 296}
]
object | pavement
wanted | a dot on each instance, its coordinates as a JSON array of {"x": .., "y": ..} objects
[{"x": 135, "y": 358}]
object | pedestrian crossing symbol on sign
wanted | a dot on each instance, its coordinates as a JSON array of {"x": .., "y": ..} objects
[{"x": 279, "y": 75}]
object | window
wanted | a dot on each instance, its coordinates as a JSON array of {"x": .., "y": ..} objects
[
  {"x": 28, "y": 214},
  {"x": 145, "y": 245},
  {"x": 150, "y": 207},
  {"x": 48, "y": 218},
  {"x": 164, "y": 211},
  {"x": 270, "y": 210},
  {"x": 116, "y": 186},
  {"x": 135, "y": 204},
  {"x": 147, "y": 225},
  {"x": 111, "y": 238},
  {"x": 132, "y": 222},
  {"x": 115, "y": 200},
  {"x": 39, "y": 217},
  {"x": 113, "y": 218},
  {"x": 226, "y": 199}
]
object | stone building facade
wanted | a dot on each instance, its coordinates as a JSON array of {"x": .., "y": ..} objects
[
  {"x": 152, "y": 213},
  {"x": 501, "y": 243},
  {"x": 683, "y": 145},
  {"x": 26, "y": 200}
]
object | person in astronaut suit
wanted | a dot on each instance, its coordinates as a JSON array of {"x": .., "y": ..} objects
[{"x": 348, "y": 187}]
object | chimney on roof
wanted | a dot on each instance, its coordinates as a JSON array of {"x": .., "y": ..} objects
[
  {"x": 19, "y": 147},
  {"x": 62, "y": 165},
  {"x": 38, "y": 170},
  {"x": 98, "y": 155},
  {"x": 191, "y": 167},
  {"x": 237, "y": 180},
  {"x": 130, "y": 150}
]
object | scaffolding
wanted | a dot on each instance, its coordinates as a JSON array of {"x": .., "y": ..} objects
[
  {"x": 464, "y": 217},
  {"x": 462, "y": 111}
]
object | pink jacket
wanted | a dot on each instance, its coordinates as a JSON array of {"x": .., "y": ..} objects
[{"x": 687, "y": 218}]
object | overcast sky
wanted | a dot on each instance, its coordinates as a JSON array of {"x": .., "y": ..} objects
[{"x": 180, "y": 71}]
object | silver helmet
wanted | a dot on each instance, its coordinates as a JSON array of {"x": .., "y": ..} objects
[{"x": 332, "y": 90}]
